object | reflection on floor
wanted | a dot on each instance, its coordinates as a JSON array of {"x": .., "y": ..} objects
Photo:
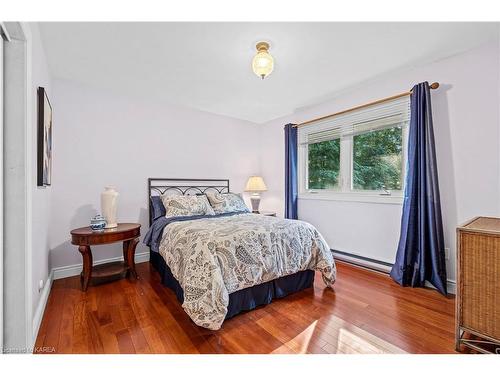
[
  {"x": 366, "y": 313},
  {"x": 345, "y": 339}
]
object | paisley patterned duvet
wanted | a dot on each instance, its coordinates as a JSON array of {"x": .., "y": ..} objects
[{"x": 213, "y": 257}]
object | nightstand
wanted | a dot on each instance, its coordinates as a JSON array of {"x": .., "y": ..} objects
[
  {"x": 266, "y": 213},
  {"x": 128, "y": 233}
]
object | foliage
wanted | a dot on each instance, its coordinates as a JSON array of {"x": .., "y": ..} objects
[
  {"x": 324, "y": 164},
  {"x": 377, "y": 158},
  {"x": 377, "y": 161}
]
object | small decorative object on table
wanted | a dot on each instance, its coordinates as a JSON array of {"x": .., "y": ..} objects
[
  {"x": 109, "y": 201},
  {"x": 98, "y": 223},
  {"x": 255, "y": 185}
]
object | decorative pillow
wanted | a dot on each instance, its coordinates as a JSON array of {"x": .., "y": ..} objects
[
  {"x": 208, "y": 208},
  {"x": 227, "y": 202},
  {"x": 186, "y": 205},
  {"x": 157, "y": 208}
]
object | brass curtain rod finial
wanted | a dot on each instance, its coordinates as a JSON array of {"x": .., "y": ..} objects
[{"x": 434, "y": 85}]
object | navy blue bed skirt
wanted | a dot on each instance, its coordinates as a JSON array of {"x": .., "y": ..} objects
[{"x": 245, "y": 299}]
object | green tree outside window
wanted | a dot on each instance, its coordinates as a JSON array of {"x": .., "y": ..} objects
[
  {"x": 377, "y": 159},
  {"x": 324, "y": 165}
]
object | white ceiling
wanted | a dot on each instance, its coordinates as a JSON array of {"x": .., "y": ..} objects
[{"x": 207, "y": 66}]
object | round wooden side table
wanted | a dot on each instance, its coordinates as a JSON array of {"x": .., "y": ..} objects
[{"x": 128, "y": 233}]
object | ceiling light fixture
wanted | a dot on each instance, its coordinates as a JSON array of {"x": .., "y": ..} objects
[{"x": 263, "y": 62}]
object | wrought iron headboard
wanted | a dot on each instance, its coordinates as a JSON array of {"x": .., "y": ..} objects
[{"x": 184, "y": 186}]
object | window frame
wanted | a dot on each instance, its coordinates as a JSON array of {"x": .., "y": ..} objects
[
  {"x": 346, "y": 192},
  {"x": 306, "y": 162}
]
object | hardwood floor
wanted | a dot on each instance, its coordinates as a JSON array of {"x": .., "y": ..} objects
[{"x": 367, "y": 312}]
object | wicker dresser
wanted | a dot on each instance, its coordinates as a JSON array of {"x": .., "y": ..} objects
[{"x": 478, "y": 284}]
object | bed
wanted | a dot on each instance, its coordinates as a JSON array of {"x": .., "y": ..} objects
[{"x": 221, "y": 265}]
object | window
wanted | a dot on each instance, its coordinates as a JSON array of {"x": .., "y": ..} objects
[
  {"x": 324, "y": 165},
  {"x": 377, "y": 160},
  {"x": 360, "y": 153}
]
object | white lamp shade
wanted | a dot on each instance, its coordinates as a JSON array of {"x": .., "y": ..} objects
[{"x": 255, "y": 183}]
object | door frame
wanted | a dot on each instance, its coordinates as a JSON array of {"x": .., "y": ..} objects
[
  {"x": 20, "y": 32},
  {"x": 28, "y": 144},
  {"x": 2, "y": 31}
]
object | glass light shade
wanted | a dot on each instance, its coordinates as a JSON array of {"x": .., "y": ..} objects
[
  {"x": 255, "y": 183},
  {"x": 263, "y": 63}
]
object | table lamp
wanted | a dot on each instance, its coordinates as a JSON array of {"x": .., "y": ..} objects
[{"x": 255, "y": 185}]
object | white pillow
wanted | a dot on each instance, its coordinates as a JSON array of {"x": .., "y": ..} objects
[
  {"x": 227, "y": 202},
  {"x": 208, "y": 208},
  {"x": 186, "y": 205}
]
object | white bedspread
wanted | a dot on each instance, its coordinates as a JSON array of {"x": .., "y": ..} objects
[{"x": 213, "y": 257}]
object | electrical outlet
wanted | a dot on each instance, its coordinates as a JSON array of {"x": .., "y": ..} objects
[{"x": 447, "y": 253}]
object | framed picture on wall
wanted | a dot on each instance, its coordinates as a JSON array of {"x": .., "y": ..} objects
[{"x": 44, "y": 152}]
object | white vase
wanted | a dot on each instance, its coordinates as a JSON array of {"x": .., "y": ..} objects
[{"x": 109, "y": 201}]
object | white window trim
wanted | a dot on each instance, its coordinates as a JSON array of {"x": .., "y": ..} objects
[
  {"x": 352, "y": 197},
  {"x": 346, "y": 193}
]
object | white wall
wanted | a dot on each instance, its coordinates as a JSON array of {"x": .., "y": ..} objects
[
  {"x": 26, "y": 209},
  {"x": 108, "y": 138},
  {"x": 466, "y": 123},
  {"x": 41, "y": 196}
]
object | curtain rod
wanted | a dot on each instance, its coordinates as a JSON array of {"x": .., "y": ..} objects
[{"x": 433, "y": 86}]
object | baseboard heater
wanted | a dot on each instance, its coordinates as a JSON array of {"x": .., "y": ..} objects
[
  {"x": 361, "y": 261},
  {"x": 378, "y": 266}
]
